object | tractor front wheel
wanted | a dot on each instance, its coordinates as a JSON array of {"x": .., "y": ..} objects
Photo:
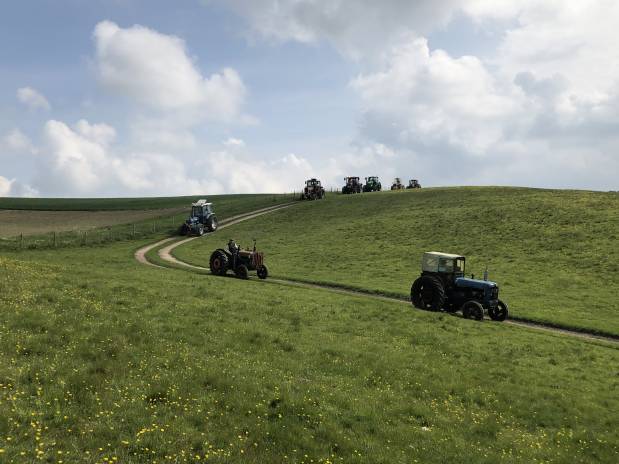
[
  {"x": 499, "y": 313},
  {"x": 262, "y": 271},
  {"x": 212, "y": 224},
  {"x": 218, "y": 263},
  {"x": 242, "y": 272},
  {"x": 473, "y": 310},
  {"x": 428, "y": 293}
]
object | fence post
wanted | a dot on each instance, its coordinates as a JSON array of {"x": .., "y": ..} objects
[
  {"x": 133, "y": 232},
  {"x": 21, "y": 241},
  {"x": 153, "y": 225},
  {"x": 110, "y": 229},
  {"x": 173, "y": 221},
  {"x": 54, "y": 239}
]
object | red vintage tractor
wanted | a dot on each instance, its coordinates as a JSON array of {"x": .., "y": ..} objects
[{"x": 238, "y": 260}]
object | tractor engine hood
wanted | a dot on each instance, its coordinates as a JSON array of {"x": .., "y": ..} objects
[
  {"x": 192, "y": 220},
  {"x": 465, "y": 282}
]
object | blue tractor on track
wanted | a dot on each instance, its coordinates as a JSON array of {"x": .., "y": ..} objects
[
  {"x": 201, "y": 220},
  {"x": 442, "y": 286}
]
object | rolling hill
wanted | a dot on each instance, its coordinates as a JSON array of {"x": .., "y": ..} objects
[{"x": 553, "y": 253}]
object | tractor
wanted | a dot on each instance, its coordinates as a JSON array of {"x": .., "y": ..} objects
[
  {"x": 202, "y": 219},
  {"x": 413, "y": 184},
  {"x": 352, "y": 185},
  {"x": 372, "y": 184},
  {"x": 397, "y": 184},
  {"x": 313, "y": 190},
  {"x": 442, "y": 286},
  {"x": 238, "y": 260}
]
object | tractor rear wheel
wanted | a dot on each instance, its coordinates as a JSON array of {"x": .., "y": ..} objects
[
  {"x": 242, "y": 272},
  {"x": 212, "y": 224},
  {"x": 184, "y": 230},
  {"x": 473, "y": 310},
  {"x": 499, "y": 313},
  {"x": 427, "y": 293},
  {"x": 218, "y": 262},
  {"x": 262, "y": 271}
]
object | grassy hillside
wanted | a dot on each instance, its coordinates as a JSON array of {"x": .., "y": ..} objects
[
  {"x": 117, "y": 362},
  {"x": 554, "y": 253},
  {"x": 117, "y": 223},
  {"x": 115, "y": 204}
]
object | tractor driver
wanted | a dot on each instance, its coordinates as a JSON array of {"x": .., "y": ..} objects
[{"x": 233, "y": 248}]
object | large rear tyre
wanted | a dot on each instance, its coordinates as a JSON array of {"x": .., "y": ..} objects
[
  {"x": 242, "y": 272},
  {"x": 212, "y": 224},
  {"x": 473, "y": 310},
  {"x": 427, "y": 293},
  {"x": 184, "y": 230},
  {"x": 218, "y": 262},
  {"x": 262, "y": 271},
  {"x": 499, "y": 313}
]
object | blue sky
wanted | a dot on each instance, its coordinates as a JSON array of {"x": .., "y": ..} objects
[{"x": 133, "y": 98}]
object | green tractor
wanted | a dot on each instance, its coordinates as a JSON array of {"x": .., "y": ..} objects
[
  {"x": 442, "y": 286},
  {"x": 239, "y": 261},
  {"x": 201, "y": 220},
  {"x": 372, "y": 184},
  {"x": 352, "y": 185}
]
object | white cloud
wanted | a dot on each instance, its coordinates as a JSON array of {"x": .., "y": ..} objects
[
  {"x": 355, "y": 27},
  {"x": 32, "y": 98},
  {"x": 542, "y": 109},
  {"x": 14, "y": 188},
  {"x": 232, "y": 142},
  {"x": 462, "y": 122},
  {"x": 154, "y": 69},
  {"x": 17, "y": 142}
]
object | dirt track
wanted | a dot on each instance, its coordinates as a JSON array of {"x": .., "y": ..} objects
[{"x": 165, "y": 254}]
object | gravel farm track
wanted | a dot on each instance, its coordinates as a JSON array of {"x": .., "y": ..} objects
[{"x": 165, "y": 253}]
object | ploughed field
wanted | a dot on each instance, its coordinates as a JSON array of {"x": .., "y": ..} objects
[
  {"x": 106, "y": 360},
  {"x": 554, "y": 254}
]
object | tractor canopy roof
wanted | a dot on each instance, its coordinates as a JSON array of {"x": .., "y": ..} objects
[
  {"x": 440, "y": 254},
  {"x": 371, "y": 178},
  {"x": 435, "y": 261},
  {"x": 201, "y": 202},
  {"x": 397, "y": 180},
  {"x": 351, "y": 178}
]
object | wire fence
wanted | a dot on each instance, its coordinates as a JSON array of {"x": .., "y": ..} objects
[{"x": 92, "y": 236}]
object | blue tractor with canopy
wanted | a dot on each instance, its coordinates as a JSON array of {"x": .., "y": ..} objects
[
  {"x": 443, "y": 286},
  {"x": 201, "y": 220}
]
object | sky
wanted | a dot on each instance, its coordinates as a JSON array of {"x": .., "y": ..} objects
[{"x": 145, "y": 98}]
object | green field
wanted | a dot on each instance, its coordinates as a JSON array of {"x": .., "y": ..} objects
[
  {"x": 553, "y": 253},
  {"x": 105, "y": 360},
  {"x": 118, "y": 362}
]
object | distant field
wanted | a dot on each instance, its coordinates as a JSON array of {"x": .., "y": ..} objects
[
  {"x": 78, "y": 215},
  {"x": 115, "y": 204},
  {"x": 31, "y": 222},
  {"x": 553, "y": 253},
  {"x": 106, "y": 360}
]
